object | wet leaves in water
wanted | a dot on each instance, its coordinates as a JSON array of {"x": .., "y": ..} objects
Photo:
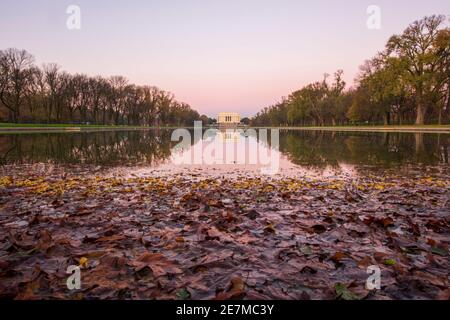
[{"x": 190, "y": 237}]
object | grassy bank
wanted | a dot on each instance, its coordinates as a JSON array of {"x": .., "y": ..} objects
[
  {"x": 71, "y": 127},
  {"x": 44, "y": 125},
  {"x": 403, "y": 128}
]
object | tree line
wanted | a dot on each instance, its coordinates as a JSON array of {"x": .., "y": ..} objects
[
  {"x": 408, "y": 82},
  {"x": 30, "y": 94}
]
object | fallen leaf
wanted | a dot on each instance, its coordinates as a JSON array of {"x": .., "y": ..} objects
[
  {"x": 338, "y": 256},
  {"x": 390, "y": 262},
  {"x": 270, "y": 228},
  {"x": 179, "y": 239},
  {"x": 342, "y": 292},
  {"x": 439, "y": 251},
  {"x": 158, "y": 264},
  {"x": 83, "y": 263},
  {"x": 236, "y": 290},
  {"x": 183, "y": 294}
]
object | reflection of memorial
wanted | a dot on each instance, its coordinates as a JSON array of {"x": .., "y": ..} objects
[{"x": 229, "y": 135}]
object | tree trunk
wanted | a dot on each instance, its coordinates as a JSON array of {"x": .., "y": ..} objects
[
  {"x": 386, "y": 118},
  {"x": 421, "y": 111},
  {"x": 104, "y": 117},
  {"x": 16, "y": 116}
]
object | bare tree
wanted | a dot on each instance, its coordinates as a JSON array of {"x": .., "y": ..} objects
[
  {"x": 51, "y": 95},
  {"x": 16, "y": 74}
]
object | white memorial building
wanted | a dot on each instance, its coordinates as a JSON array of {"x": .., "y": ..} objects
[{"x": 228, "y": 118}]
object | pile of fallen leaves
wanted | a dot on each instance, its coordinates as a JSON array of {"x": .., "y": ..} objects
[{"x": 184, "y": 237}]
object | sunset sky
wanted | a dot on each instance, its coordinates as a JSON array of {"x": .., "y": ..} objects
[{"x": 234, "y": 55}]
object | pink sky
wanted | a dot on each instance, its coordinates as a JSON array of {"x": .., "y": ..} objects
[{"x": 215, "y": 55}]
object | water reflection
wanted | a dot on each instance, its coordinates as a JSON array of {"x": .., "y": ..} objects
[
  {"x": 325, "y": 148},
  {"x": 304, "y": 150},
  {"x": 150, "y": 147},
  {"x": 230, "y": 149}
]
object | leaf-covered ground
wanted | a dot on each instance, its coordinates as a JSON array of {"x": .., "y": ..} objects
[{"x": 194, "y": 237}]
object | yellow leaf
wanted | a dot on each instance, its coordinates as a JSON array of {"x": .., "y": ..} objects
[
  {"x": 83, "y": 262},
  {"x": 5, "y": 181}
]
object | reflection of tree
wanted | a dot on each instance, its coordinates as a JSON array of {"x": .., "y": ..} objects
[
  {"x": 102, "y": 148},
  {"x": 307, "y": 150},
  {"x": 320, "y": 149},
  {"x": 443, "y": 148}
]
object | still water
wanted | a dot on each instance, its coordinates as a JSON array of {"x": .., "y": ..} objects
[{"x": 323, "y": 153}]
